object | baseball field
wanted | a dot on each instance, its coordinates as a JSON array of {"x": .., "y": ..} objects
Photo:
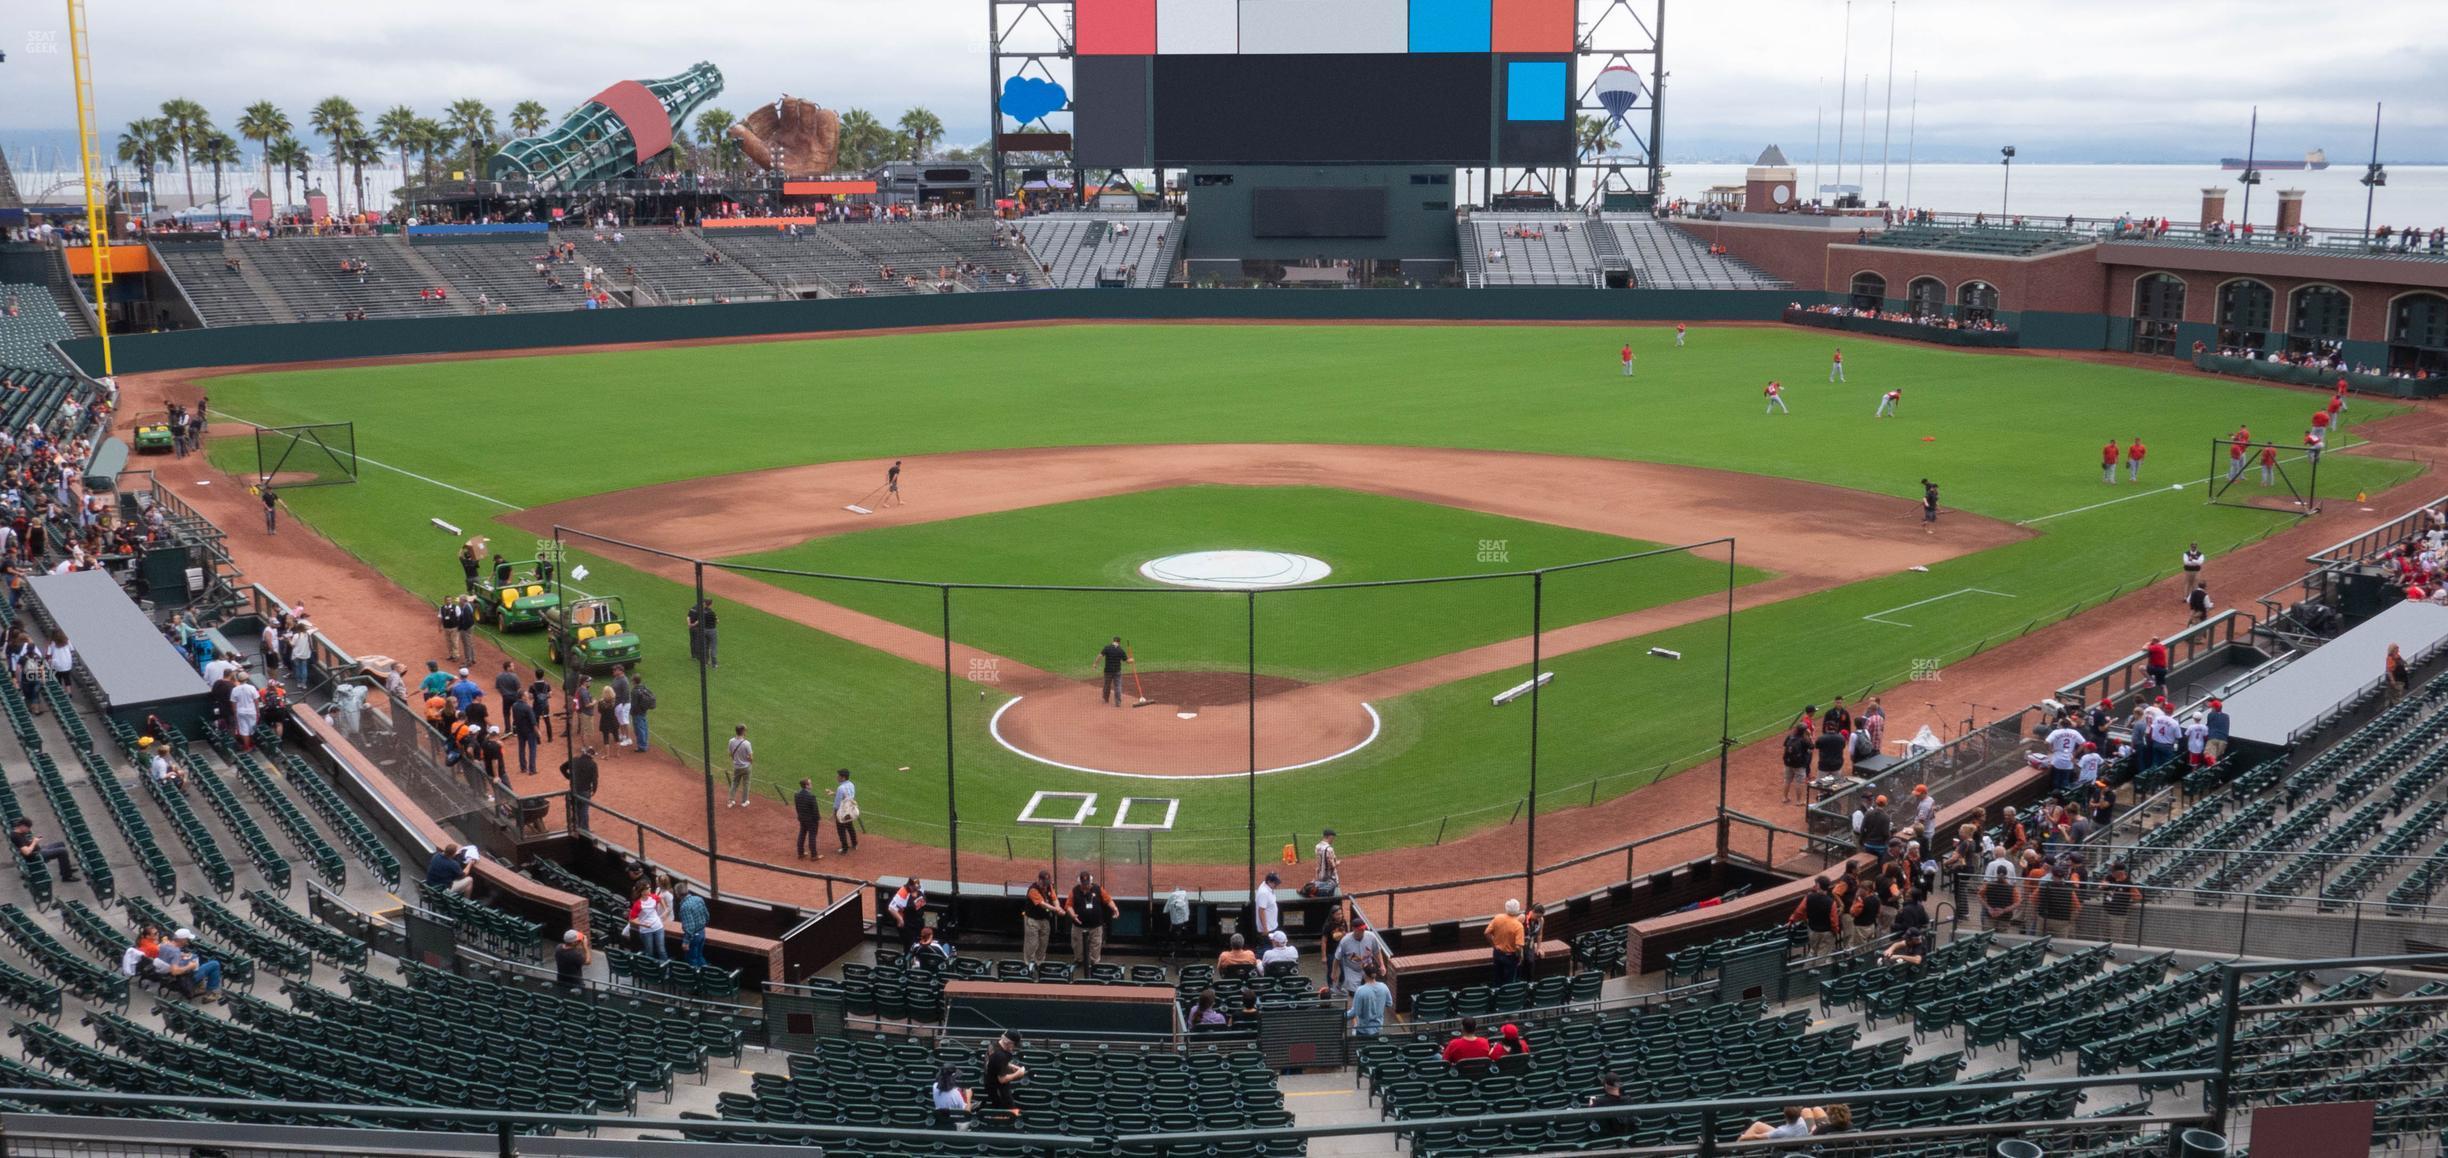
[{"x": 1061, "y": 458}]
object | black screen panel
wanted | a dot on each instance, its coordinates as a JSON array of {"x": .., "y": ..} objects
[
  {"x": 1336, "y": 213},
  {"x": 1355, "y": 108},
  {"x": 1109, "y": 117}
]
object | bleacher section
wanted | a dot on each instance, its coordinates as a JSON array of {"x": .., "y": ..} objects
[
  {"x": 670, "y": 267},
  {"x": 39, "y": 321},
  {"x": 1995, "y": 240},
  {"x": 1664, "y": 257},
  {"x": 1531, "y": 248},
  {"x": 306, "y": 273},
  {"x": 1084, "y": 250},
  {"x": 492, "y": 271},
  {"x": 221, "y": 295}
]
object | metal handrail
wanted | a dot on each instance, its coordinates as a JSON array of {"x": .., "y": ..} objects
[{"x": 2359, "y": 548}]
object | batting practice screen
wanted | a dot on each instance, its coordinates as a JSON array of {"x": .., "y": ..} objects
[
  {"x": 1260, "y": 82},
  {"x": 305, "y": 456}
]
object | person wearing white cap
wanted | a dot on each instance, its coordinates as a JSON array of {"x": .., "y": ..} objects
[
  {"x": 570, "y": 960},
  {"x": 187, "y": 970},
  {"x": 1279, "y": 949}
]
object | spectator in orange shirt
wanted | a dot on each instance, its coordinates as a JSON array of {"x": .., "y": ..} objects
[
  {"x": 1504, "y": 935},
  {"x": 1238, "y": 954}
]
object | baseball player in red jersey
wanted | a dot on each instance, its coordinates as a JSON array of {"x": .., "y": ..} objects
[
  {"x": 1776, "y": 398},
  {"x": 2337, "y": 401},
  {"x": 2269, "y": 465},
  {"x": 2235, "y": 460},
  {"x": 1627, "y": 359},
  {"x": 2321, "y": 419},
  {"x": 1678, "y": 335},
  {"x": 1888, "y": 403},
  {"x": 2133, "y": 459},
  {"x": 2108, "y": 461},
  {"x": 1836, "y": 367},
  {"x": 2313, "y": 441}
]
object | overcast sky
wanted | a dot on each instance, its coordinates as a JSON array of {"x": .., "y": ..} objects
[{"x": 2064, "y": 80}]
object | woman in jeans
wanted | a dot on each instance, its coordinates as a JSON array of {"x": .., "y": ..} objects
[{"x": 646, "y": 919}]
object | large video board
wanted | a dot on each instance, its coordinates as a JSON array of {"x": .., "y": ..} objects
[{"x": 1259, "y": 82}]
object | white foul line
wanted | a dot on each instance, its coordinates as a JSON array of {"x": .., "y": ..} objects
[
  {"x": 1874, "y": 616},
  {"x": 395, "y": 470},
  {"x": 2205, "y": 480},
  {"x": 994, "y": 727}
]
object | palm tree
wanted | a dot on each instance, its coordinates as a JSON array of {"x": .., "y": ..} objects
[
  {"x": 863, "y": 139},
  {"x": 293, "y": 159},
  {"x": 1593, "y": 136},
  {"x": 359, "y": 151},
  {"x": 528, "y": 118},
  {"x": 260, "y": 123},
  {"x": 714, "y": 136},
  {"x": 396, "y": 129},
  {"x": 218, "y": 151},
  {"x": 187, "y": 124},
  {"x": 472, "y": 123},
  {"x": 336, "y": 119},
  {"x": 920, "y": 126},
  {"x": 432, "y": 137},
  {"x": 142, "y": 144}
]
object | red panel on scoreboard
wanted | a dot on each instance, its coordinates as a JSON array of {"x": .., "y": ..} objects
[
  {"x": 1116, "y": 27},
  {"x": 1534, "y": 26}
]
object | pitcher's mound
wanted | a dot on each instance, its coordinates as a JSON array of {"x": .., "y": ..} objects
[{"x": 1194, "y": 724}]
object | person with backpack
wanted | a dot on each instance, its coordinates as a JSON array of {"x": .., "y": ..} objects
[{"x": 1797, "y": 764}]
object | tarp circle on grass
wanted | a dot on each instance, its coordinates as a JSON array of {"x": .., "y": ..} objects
[{"x": 1235, "y": 570}]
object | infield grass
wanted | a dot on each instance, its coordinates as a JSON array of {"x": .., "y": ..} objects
[
  {"x": 2011, "y": 436},
  {"x": 1312, "y": 633}
]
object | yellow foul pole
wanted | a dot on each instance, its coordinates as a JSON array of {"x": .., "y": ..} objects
[{"x": 97, "y": 215}]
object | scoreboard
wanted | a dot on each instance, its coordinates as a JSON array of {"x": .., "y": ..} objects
[{"x": 1465, "y": 83}]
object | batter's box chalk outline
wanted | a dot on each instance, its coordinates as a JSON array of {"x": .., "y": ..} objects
[
  {"x": 1172, "y": 808},
  {"x": 1084, "y": 806},
  {"x": 1881, "y": 616}
]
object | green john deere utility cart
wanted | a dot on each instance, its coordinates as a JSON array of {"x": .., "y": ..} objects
[
  {"x": 515, "y": 598},
  {"x": 591, "y": 634},
  {"x": 153, "y": 433}
]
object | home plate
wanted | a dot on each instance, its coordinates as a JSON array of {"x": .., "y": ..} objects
[{"x": 1185, "y": 715}]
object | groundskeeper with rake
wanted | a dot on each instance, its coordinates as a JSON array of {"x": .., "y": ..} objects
[{"x": 1114, "y": 655}]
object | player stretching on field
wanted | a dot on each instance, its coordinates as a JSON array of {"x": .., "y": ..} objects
[
  {"x": 1836, "y": 367},
  {"x": 1678, "y": 335},
  {"x": 1887, "y": 404},
  {"x": 1776, "y": 398}
]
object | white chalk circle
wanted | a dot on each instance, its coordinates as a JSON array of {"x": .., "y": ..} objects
[{"x": 1235, "y": 570}]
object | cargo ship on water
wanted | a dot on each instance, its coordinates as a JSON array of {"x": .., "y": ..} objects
[{"x": 2316, "y": 160}]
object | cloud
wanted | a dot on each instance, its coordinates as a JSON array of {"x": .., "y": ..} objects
[{"x": 1026, "y": 98}]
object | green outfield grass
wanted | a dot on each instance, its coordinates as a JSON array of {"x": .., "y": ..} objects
[
  {"x": 2010, "y": 436},
  {"x": 1312, "y": 634}
]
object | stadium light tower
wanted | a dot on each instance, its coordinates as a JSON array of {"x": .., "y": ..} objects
[
  {"x": 2006, "y": 195},
  {"x": 1029, "y": 41},
  {"x": 2373, "y": 175},
  {"x": 1623, "y": 34}
]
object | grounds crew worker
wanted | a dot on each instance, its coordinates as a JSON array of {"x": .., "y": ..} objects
[{"x": 1113, "y": 654}]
